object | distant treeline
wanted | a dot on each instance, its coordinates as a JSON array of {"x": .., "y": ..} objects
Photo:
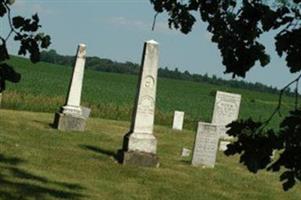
[{"x": 107, "y": 65}]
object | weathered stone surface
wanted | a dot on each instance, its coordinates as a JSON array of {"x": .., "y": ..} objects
[
  {"x": 205, "y": 146},
  {"x": 137, "y": 158},
  {"x": 178, "y": 120},
  {"x": 185, "y": 152},
  {"x": 226, "y": 110},
  {"x": 140, "y": 138},
  {"x": 66, "y": 122}
]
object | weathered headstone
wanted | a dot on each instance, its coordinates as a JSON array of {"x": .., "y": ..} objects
[
  {"x": 205, "y": 146},
  {"x": 71, "y": 116},
  {"x": 140, "y": 145},
  {"x": 226, "y": 110},
  {"x": 178, "y": 120}
]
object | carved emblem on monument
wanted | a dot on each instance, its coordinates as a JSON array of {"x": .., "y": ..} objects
[{"x": 149, "y": 82}]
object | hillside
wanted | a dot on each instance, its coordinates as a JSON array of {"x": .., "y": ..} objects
[
  {"x": 44, "y": 86},
  {"x": 38, "y": 162}
]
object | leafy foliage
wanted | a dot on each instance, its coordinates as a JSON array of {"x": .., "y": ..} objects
[
  {"x": 236, "y": 28},
  {"x": 256, "y": 146},
  {"x": 26, "y": 33}
]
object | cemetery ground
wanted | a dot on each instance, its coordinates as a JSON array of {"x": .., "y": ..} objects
[{"x": 39, "y": 162}]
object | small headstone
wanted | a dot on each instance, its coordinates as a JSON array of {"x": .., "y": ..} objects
[
  {"x": 223, "y": 145},
  {"x": 178, "y": 120},
  {"x": 185, "y": 152},
  {"x": 140, "y": 144},
  {"x": 205, "y": 146}
]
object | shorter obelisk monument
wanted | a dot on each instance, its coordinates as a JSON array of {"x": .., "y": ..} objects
[
  {"x": 71, "y": 117},
  {"x": 140, "y": 145}
]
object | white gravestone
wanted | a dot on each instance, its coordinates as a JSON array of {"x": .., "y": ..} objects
[
  {"x": 185, "y": 152},
  {"x": 205, "y": 146},
  {"x": 223, "y": 145},
  {"x": 71, "y": 116},
  {"x": 140, "y": 145},
  {"x": 226, "y": 110},
  {"x": 178, "y": 120}
]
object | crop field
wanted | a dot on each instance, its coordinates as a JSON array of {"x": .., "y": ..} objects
[{"x": 44, "y": 87}]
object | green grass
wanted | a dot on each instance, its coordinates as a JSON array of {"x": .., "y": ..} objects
[
  {"x": 44, "y": 86},
  {"x": 38, "y": 162}
]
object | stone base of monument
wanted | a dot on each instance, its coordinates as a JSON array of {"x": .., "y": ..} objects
[
  {"x": 137, "y": 158},
  {"x": 67, "y": 122}
]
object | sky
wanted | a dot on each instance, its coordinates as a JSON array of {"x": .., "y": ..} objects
[{"x": 117, "y": 29}]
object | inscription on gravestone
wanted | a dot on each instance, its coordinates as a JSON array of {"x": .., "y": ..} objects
[{"x": 205, "y": 146}]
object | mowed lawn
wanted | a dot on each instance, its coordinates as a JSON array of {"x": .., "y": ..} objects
[
  {"x": 43, "y": 88},
  {"x": 39, "y": 162}
]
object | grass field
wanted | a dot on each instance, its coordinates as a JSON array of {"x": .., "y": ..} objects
[
  {"x": 38, "y": 162},
  {"x": 44, "y": 86}
]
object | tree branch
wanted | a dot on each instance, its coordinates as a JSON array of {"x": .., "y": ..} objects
[
  {"x": 10, "y": 22},
  {"x": 277, "y": 109},
  {"x": 154, "y": 21}
]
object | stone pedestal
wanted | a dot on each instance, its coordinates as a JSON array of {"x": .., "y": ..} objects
[
  {"x": 66, "y": 122},
  {"x": 137, "y": 158},
  {"x": 140, "y": 145},
  {"x": 72, "y": 117}
]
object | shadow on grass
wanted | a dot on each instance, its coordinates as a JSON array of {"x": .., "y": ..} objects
[
  {"x": 186, "y": 162},
  {"x": 112, "y": 154},
  {"x": 45, "y": 124},
  {"x": 51, "y": 125},
  {"x": 18, "y": 184}
]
